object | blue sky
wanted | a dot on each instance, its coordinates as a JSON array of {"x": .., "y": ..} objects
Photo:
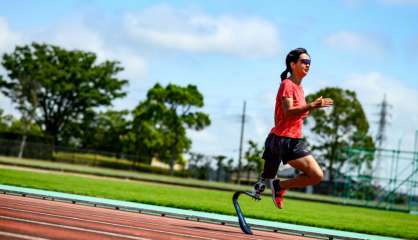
[{"x": 234, "y": 51}]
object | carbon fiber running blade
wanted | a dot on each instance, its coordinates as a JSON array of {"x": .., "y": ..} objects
[
  {"x": 242, "y": 223},
  {"x": 253, "y": 195}
]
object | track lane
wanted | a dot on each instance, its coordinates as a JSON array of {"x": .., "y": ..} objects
[{"x": 119, "y": 222}]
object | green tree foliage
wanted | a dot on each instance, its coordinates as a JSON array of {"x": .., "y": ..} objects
[
  {"x": 199, "y": 165},
  {"x": 219, "y": 165},
  {"x": 103, "y": 131},
  {"x": 5, "y": 121},
  {"x": 10, "y": 124},
  {"x": 253, "y": 157},
  {"x": 57, "y": 85},
  {"x": 113, "y": 128},
  {"x": 339, "y": 127},
  {"x": 79, "y": 132},
  {"x": 160, "y": 121},
  {"x": 28, "y": 128}
]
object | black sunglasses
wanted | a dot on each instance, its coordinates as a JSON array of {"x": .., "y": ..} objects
[{"x": 305, "y": 61}]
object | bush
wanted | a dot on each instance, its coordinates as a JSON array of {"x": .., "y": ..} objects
[{"x": 112, "y": 162}]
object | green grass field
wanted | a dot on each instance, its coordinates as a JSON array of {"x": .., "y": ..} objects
[
  {"x": 136, "y": 175},
  {"x": 296, "y": 211}
]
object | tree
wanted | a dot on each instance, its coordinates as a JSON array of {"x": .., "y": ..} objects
[
  {"x": 343, "y": 125},
  {"x": 18, "y": 126},
  {"x": 103, "y": 131},
  {"x": 219, "y": 165},
  {"x": 165, "y": 115},
  {"x": 10, "y": 124},
  {"x": 148, "y": 134},
  {"x": 113, "y": 131},
  {"x": 63, "y": 84},
  {"x": 199, "y": 165},
  {"x": 253, "y": 157},
  {"x": 27, "y": 101},
  {"x": 5, "y": 121},
  {"x": 79, "y": 133},
  {"x": 21, "y": 127}
]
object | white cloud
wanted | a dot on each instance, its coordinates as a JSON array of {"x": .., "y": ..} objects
[
  {"x": 167, "y": 27},
  {"x": 203, "y": 138},
  {"x": 261, "y": 126},
  {"x": 135, "y": 65},
  {"x": 264, "y": 114},
  {"x": 214, "y": 140},
  {"x": 8, "y": 38},
  {"x": 371, "y": 87},
  {"x": 357, "y": 42},
  {"x": 77, "y": 35}
]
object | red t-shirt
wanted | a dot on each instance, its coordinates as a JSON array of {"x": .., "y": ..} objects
[{"x": 290, "y": 126}]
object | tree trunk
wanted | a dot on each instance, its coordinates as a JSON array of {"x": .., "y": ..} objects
[
  {"x": 172, "y": 161},
  {"x": 173, "y": 157},
  {"x": 26, "y": 125},
  {"x": 22, "y": 146},
  {"x": 333, "y": 156},
  {"x": 53, "y": 132},
  {"x": 331, "y": 177}
]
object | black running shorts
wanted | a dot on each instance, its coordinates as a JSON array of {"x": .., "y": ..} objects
[{"x": 281, "y": 149}]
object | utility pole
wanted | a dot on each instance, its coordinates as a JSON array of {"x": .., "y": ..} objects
[{"x": 240, "y": 144}]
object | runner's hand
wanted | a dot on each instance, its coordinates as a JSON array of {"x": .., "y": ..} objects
[{"x": 321, "y": 102}]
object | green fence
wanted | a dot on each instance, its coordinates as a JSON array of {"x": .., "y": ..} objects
[{"x": 391, "y": 183}]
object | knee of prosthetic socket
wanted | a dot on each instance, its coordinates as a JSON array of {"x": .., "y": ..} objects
[{"x": 260, "y": 186}]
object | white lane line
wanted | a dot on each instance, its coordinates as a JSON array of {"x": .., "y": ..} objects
[
  {"x": 126, "y": 218},
  {"x": 16, "y": 235},
  {"x": 111, "y": 224},
  {"x": 74, "y": 228}
]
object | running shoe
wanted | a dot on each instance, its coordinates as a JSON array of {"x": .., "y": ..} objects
[{"x": 277, "y": 193}]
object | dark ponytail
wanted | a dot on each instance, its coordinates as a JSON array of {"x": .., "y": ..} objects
[
  {"x": 292, "y": 56},
  {"x": 283, "y": 76}
]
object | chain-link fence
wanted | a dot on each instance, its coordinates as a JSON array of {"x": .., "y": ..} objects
[
  {"x": 391, "y": 183},
  {"x": 29, "y": 149}
]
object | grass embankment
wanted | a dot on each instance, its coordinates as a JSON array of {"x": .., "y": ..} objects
[
  {"x": 98, "y": 160},
  {"x": 299, "y": 212},
  {"x": 135, "y": 175},
  {"x": 116, "y": 173}
]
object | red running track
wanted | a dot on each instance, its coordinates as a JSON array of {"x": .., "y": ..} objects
[{"x": 36, "y": 219}]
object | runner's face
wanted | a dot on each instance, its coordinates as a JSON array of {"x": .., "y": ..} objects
[{"x": 301, "y": 67}]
